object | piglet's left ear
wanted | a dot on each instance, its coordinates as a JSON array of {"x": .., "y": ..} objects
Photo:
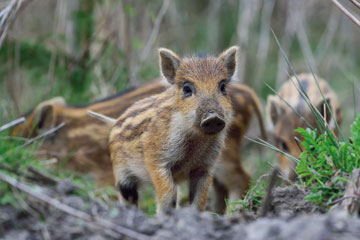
[
  {"x": 229, "y": 56},
  {"x": 169, "y": 63}
]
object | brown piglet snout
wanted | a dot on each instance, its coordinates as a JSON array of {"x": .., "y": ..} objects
[{"x": 212, "y": 123}]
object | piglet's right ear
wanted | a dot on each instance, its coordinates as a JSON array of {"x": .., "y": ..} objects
[
  {"x": 169, "y": 63},
  {"x": 45, "y": 114},
  {"x": 229, "y": 57}
]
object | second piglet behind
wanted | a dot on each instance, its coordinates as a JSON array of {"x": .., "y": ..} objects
[{"x": 177, "y": 135}]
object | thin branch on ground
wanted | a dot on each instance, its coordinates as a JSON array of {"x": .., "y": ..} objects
[
  {"x": 45, "y": 134},
  {"x": 12, "y": 124},
  {"x": 346, "y": 12},
  {"x": 43, "y": 176},
  {"x": 341, "y": 199},
  {"x": 6, "y": 167},
  {"x": 95, "y": 220}
]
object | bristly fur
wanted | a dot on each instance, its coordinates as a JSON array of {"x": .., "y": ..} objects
[{"x": 162, "y": 139}]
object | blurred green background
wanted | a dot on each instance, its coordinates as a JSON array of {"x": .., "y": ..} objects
[{"x": 85, "y": 50}]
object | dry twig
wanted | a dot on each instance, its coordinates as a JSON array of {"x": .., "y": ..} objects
[
  {"x": 96, "y": 221},
  {"x": 346, "y": 12},
  {"x": 12, "y": 124},
  {"x": 45, "y": 134}
]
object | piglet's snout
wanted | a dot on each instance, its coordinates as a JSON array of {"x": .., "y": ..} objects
[{"x": 212, "y": 123}]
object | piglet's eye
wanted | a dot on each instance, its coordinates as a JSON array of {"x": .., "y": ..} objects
[
  {"x": 187, "y": 89},
  {"x": 284, "y": 146},
  {"x": 222, "y": 87}
]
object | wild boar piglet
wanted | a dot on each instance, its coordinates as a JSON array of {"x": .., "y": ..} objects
[
  {"x": 283, "y": 120},
  {"x": 177, "y": 135}
]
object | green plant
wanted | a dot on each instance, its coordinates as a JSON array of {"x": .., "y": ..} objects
[
  {"x": 253, "y": 198},
  {"x": 13, "y": 159},
  {"x": 324, "y": 166}
]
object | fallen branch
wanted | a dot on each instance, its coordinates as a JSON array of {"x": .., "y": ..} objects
[
  {"x": 341, "y": 199},
  {"x": 39, "y": 176},
  {"x": 6, "y": 167},
  {"x": 12, "y": 124},
  {"x": 43, "y": 176},
  {"x": 346, "y": 12},
  {"x": 45, "y": 134},
  {"x": 96, "y": 221}
]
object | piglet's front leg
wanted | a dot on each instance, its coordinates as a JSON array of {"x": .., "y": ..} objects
[
  {"x": 200, "y": 181},
  {"x": 164, "y": 186}
]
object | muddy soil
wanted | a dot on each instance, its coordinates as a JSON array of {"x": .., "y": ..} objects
[
  {"x": 290, "y": 201},
  {"x": 290, "y": 217}
]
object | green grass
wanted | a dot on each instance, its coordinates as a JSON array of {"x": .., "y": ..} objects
[
  {"x": 148, "y": 200},
  {"x": 15, "y": 159},
  {"x": 253, "y": 198}
]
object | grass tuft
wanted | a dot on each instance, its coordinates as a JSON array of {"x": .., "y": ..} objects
[{"x": 325, "y": 167}]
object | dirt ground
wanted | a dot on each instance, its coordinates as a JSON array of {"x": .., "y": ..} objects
[{"x": 289, "y": 217}]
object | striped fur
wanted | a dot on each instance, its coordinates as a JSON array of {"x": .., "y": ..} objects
[
  {"x": 164, "y": 140},
  {"x": 83, "y": 142}
]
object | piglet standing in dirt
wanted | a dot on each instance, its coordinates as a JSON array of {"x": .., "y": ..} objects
[
  {"x": 284, "y": 121},
  {"x": 177, "y": 135}
]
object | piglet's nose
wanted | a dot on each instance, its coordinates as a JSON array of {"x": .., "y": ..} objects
[{"x": 212, "y": 123}]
